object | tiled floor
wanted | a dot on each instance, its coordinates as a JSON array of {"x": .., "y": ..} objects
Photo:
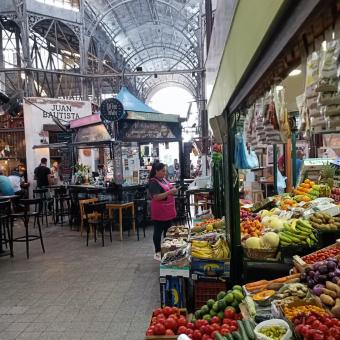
[{"x": 75, "y": 292}]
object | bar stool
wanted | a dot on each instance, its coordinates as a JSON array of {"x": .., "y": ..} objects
[
  {"x": 141, "y": 213},
  {"x": 47, "y": 204},
  {"x": 5, "y": 234},
  {"x": 26, "y": 204},
  {"x": 97, "y": 217},
  {"x": 257, "y": 195},
  {"x": 82, "y": 204},
  {"x": 61, "y": 199}
]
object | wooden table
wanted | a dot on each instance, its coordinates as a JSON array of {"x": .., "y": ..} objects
[{"x": 120, "y": 206}]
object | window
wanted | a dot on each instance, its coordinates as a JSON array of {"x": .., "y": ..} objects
[{"x": 67, "y": 4}]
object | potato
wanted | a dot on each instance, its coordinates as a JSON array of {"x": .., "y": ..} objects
[
  {"x": 329, "y": 292},
  {"x": 332, "y": 286},
  {"x": 327, "y": 300}
]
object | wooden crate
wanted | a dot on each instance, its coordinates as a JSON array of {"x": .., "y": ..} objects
[
  {"x": 183, "y": 311},
  {"x": 301, "y": 265}
]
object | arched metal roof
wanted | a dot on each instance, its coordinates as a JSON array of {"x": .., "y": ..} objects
[{"x": 153, "y": 34}]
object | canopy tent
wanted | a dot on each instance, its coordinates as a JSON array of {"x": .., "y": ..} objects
[{"x": 132, "y": 103}]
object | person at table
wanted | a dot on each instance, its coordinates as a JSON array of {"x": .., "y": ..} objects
[
  {"x": 42, "y": 174},
  {"x": 16, "y": 182},
  {"x": 163, "y": 209},
  {"x": 6, "y": 188}
]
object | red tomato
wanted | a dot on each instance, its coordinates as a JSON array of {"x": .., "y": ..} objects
[
  {"x": 216, "y": 327},
  {"x": 160, "y": 316},
  {"x": 229, "y": 314},
  {"x": 205, "y": 322},
  {"x": 181, "y": 330},
  {"x": 233, "y": 328},
  {"x": 316, "y": 324},
  {"x": 224, "y": 330},
  {"x": 203, "y": 329},
  {"x": 153, "y": 320},
  {"x": 334, "y": 332},
  {"x": 209, "y": 329},
  {"x": 198, "y": 324},
  {"x": 182, "y": 321},
  {"x": 170, "y": 323},
  {"x": 197, "y": 335},
  {"x": 226, "y": 321},
  {"x": 190, "y": 331},
  {"x": 238, "y": 316},
  {"x": 175, "y": 310},
  {"x": 167, "y": 311},
  {"x": 215, "y": 319},
  {"x": 205, "y": 337},
  {"x": 190, "y": 325},
  {"x": 234, "y": 323},
  {"x": 323, "y": 328},
  {"x": 213, "y": 334},
  {"x": 157, "y": 311},
  {"x": 149, "y": 332},
  {"x": 169, "y": 332},
  {"x": 159, "y": 329}
]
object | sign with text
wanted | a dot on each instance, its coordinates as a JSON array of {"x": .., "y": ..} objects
[{"x": 112, "y": 110}]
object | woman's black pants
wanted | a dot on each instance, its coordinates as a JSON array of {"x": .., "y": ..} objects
[{"x": 159, "y": 227}]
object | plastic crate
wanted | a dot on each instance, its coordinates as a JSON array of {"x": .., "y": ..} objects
[{"x": 205, "y": 290}]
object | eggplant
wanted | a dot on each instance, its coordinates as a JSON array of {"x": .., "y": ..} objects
[
  {"x": 337, "y": 272},
  {"x": 323, "y": 269}
]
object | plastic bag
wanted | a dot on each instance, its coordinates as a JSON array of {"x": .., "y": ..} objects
[
  {"x": 240, "y": 153},
  {"x": 281, "y": 182},
  {"x": 273, "y": 322}
]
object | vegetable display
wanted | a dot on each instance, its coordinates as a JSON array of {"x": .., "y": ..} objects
[
  {"x": 299, "y": 232},
  {"x": 321, "y": 255},
  {"x": 273, "y": 332}
]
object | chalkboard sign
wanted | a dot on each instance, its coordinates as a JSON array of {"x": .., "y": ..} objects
[
  {"x": 117, "y": 164},
  {"x": 112, "y": 110}
]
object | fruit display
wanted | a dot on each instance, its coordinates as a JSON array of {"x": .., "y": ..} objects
[
  {"x": 306, "y": 191},
  {"x": 316, "y": 326},
  {"x": 299, "y": 232},
  {"x": 246, "y": 214},
  {"x": 290, "y": 312},
  {"x": 322, "y": 255},
  {"x": 208, "y": 225},
  {"x": 177, "y": 232},
  {"x": 179, "y": 257},
  {"x": 297, "y": 289},
  {"x": 251, "y": 228},
  {"x": 170, "y": 244},
  {"x": 203, "y": 249},
  {"x": 324, "y": 221},
  {"x": 326, "y": 178},
  {"x": 224, "y": 301}
]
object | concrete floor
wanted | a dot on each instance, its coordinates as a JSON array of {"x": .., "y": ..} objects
[{"x": 78, "y": 292}]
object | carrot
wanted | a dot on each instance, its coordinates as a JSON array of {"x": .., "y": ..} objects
[
  {"x": 255, "y": 284},
  {"x": 258, "y": 288}
]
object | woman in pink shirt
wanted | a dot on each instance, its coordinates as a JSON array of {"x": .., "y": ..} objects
[{"x": 163, "y": 209}]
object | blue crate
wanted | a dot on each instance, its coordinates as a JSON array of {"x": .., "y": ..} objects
[
  {"x": 173, "y": 291},
  {"x": 210, "y": 268}
]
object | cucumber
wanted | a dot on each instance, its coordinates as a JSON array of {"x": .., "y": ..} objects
[
  {"x": 228, "y": 336},
  {"x": 249, "y": 329},
  {"x": 236, "y": 336},
  {"x": 242, "y": 330},
  {"x": 219, "y": 336}
]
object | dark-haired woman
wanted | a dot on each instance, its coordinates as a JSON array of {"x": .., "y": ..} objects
[{"x": 163, "y": 209}]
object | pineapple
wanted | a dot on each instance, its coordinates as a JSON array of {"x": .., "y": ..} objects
[{"x": 327, "y": 173}]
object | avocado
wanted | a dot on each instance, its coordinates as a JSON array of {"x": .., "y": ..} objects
[
  {"x": 220, "y": 315},
  {"x": 204, "y": 310},
  {"x": 216, "y": 307},
  {"x": 229, "y": 298},
  {"x": 213, "y": 313},
  {"x": 221, "y": 305},
  {"x": 210, "y": 303},
  {"x": 198, "y": 314},
  {"x": 207, "y": 317},
  {"x": 238, "y": 288},
  {"x": 238, "y": 295}
]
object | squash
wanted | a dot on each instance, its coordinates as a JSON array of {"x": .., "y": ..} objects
[{"x": 266, "y": 294}]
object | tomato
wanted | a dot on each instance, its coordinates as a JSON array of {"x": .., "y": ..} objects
[
  {"x": 311, "y": 319},
  {"x": 233, "y": 328},
  {"x": 323, "y": 328},
  {"x": 205, "y": 322},
  {"x": 215, "y": 319},
  {"x": 153, "y": 320},
  {"x": 169, "y": 332},
  {"x": 229, "y": 314},
  {"x": 203, "y": 329},
  {"x": 206, "y": 337},
  {"x": 198, "y": 324},
  {"x": 175, "y": 316},
  {"x": 318, "y": 336},
  {"x": 213, "y": 334},
  {"x": 238, "y": 316},
  {"x": 190, "y": 325},
  {"x": 175, "y": 310},
  {"x": 189, "y": 331},
  {"x": 149, "y": 332},
  {"x": 182, "y": 321},
  {"x": 209, "y": 329},
  {"x": 316, "y": 324},
  {"x": 224, "y": 331},
  {"x": 159, "y": 329},
  {"x": 197, "y": 335},
  {"x": 216, "y": 327},
  {"x": 167, "y": 311},
  {"x": 157, "y": 311},
  {"x": 334, "y": 332},
  {"x": 170, "y": 323},
  {"x": 181, "y": 330}
]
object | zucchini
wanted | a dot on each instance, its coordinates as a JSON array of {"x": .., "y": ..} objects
[
  {"x": 249, "y": 329},
  {"x": 242, "y": 330},
  {"x": 219, "y": 336},
  {"x": 236, "y": 336}
]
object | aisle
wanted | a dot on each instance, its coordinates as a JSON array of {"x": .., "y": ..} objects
[{"x": 75, "y": 292}]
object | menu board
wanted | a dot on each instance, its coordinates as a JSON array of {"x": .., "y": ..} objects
[{"x": 117, "y": 164}]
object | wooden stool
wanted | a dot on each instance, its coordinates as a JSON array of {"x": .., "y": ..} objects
[
  {"x": 82, "y": 211},
  {"x": 257, "y": 195},
  {"x": 120, "y": 206}
]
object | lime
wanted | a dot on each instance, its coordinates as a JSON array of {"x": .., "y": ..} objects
[{"x": 210, "y": 303}]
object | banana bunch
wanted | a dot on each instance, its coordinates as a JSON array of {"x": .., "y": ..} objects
[
  {"x": 220, "y": 250},
  {"x": 201, "y": 249},
  {"x": 299, "y": 232}
]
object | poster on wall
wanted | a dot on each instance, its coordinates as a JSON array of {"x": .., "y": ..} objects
[
  {"x": 37, "y": 113},
  {"x": 117, "y": 164}
]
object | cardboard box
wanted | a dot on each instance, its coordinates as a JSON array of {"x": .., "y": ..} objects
[
  {"x": 210, "y": 268},
  {"x": 174, "y": 271},
  {"x": 173, "y": 291}
]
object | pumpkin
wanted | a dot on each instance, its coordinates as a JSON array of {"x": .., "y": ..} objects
[{"x": 264, "y": 295}]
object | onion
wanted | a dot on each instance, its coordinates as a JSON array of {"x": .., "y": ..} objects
[
  {"x": 318, "y": 289},
  {"x": 337, "y": 272},
  {"x": 310, "y": 283},
  {"x": 311, "y": 274},
  {"x": 331, "y": 265}
]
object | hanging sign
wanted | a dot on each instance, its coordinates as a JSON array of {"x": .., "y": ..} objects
[{"x": 112, "y": 110}]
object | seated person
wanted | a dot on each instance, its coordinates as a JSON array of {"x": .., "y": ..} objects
[
  {"x": 16, "y": 182},
  {"x": 6, "y": 188}
]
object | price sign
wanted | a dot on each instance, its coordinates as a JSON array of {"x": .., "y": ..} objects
[{"x": 112, "y": 110}]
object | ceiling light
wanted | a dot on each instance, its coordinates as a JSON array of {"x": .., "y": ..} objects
[
  {"x": 279, "y": 87},
  {"x": 295, "y": 72}
]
